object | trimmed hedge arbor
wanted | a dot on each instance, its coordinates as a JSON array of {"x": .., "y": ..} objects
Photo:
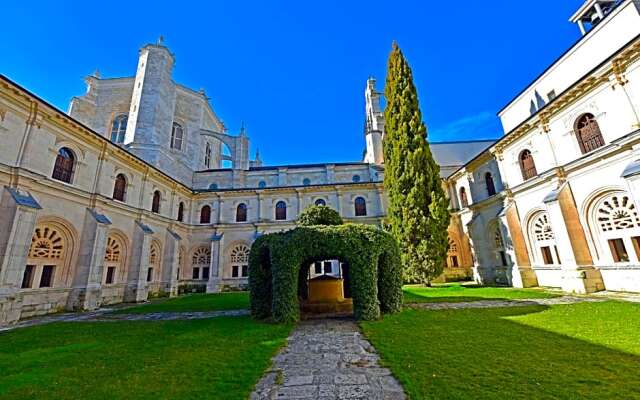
[{"x": 277, "y": 259}]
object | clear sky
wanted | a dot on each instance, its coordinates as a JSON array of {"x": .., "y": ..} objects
[{"x": 295, "y": 71}]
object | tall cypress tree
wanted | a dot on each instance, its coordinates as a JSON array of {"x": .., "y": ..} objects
[{"x": 418, "y": 213}]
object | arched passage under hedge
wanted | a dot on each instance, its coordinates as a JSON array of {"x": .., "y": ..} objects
[{"x": 374, "y": 267}]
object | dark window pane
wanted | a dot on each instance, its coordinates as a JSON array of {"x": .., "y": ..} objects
[
  {"x": 328, "y": 267},
  {"x": 111, "y": 271},
  {"x": 27, "y": 277},
  {"x": 245, "y": 270},
  {"x": 195, "y": 274},
  {"x": 618, "y": 250},
  {"x": 360, "y": 207},
  {"x": 205, "y": 215},
  {"x": 149, "y": 274},
  {"x": 46, "y": 279},
  {"x": 318, "y": 267},
  {"x": 235, "y": 271},
  {"x": 546, "y": 255},
  {"x": 205, "y": 273}
]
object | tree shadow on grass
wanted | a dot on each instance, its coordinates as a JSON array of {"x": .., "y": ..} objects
[{"x": 487, "y": 354}]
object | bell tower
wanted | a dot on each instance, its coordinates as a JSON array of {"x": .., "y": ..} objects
[
  {"x": 152, "y": 103},
  {"x": 591, "y": 13},
  {"x": 374, "y": 124}
]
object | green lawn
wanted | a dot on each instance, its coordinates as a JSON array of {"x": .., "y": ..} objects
[
  {"x": 579, "y": 351},
  {"x": 193, "y": 302},
  {"x": 455, "y": 292},
  {"x": 218, "y": 358}
]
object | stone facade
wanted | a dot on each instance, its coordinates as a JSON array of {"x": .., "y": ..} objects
[{"x": 564, "y": 210}]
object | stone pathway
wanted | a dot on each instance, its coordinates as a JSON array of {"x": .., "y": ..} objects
[
  {"x": 106, "y": 315},
  {"x": 505, "y": 303},
  {"x": 327, "y": 359}
]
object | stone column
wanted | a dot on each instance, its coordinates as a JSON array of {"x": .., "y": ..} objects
[
  {"x": 578, "y": 273},
  {"x": 522, "y": 275},
  {"x": 137, "y": 288},
  {"x": 18, "y": 212},
  {"x": 86, "y": 292},
  {"x": 381, "y": 202},
  {"x": 298, "y": 204},
  {"x": 170, "y": 263},
  {"x": 215, "y": 271}
]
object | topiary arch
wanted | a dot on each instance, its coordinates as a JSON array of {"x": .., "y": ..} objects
[{"x": 276, "y": 260}]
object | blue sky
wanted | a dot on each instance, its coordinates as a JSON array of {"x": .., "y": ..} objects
[{"x": 295, "y": 71}]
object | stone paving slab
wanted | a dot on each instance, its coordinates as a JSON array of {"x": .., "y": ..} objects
[
  {"x": 327, "y": 359},
  {"x": 505, "y": 303},
  {"x": 106, "y": 315}
]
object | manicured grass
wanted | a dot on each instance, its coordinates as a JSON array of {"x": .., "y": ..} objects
[
  {"x": 219, "y": 358},
  {"x": 455, "y": 292},
  {"x": 193, "y": 302},
  {"x": 579, "y": 351}
]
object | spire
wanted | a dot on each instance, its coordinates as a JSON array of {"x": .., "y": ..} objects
[
  {"x": 96, "y": 73},
  {"x": 242, "y": 130},
  {"x": 160, "y": 41}
]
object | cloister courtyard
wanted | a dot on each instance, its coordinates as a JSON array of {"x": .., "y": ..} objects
[{"x": 453, "y": 341}]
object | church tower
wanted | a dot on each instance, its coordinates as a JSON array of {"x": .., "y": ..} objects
[
  {"x": 152, "y": 103},
  {"x": 374, "y": 124}
]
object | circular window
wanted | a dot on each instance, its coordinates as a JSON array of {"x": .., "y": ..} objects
[
  {"x": 356, "y": 178},
  {"x": 306, "y": 181},
  {"x": 320, "y": 202},
  {"x": 213, "y": 186},
  {"x": 262, "y": 184}
]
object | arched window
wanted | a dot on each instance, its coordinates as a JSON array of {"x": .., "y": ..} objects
[
  {"x": 241, "y": 213},
  {"x": 306, "y": 181},
  {"x": 120, "y": 187},
  {"x": 177, "y": 135},
  {"x": 464, "y": 202},
  {"x": 239, "y": 258},
  {"x": 113, "y": 259},
  {"x": 498, "y": 243},
  {"x": 119, "y": 128},
  {"x": 544, "y": 240},
  {"x": 262, "y": 184},
  {"x": 201, "y": 263},
  {"x": 46, "y": 257},
  {"x": 360, "y": 205},
  {"x": 491, "y": 187},
  {"x": 154, "y": 262},
  {"x": 207, "y": 155},
  {"x": 205, "y": 215},
  {"x": 618, "y": 226},
  {"x": 281, "y": 211},
  {"x": 453, "y": 258},
  {"x": 181, "y": 211},
  {"x": 588, "y": 133},
  {"x": 65, "y": 163},
  {"x": 356, "y": 178},
  {"x": 155, "y": 204},
  {"x": 527, "y": 165},
  {"x": 320, "y": 202}
]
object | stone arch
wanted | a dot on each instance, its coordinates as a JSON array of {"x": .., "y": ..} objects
[
  {"x": 116, "y": 255},
  {"x": 200, "y": 262},
  {"x": 53, "y": 242},
  {"x": 155, "y": 262},
  {"x": 541, "y": 238},
  {"x": 237, "y": 260},
  {"x": 614, "y": 224},
  {"x": 585, "y": 214},
  {"x": 453, "y": 254}
]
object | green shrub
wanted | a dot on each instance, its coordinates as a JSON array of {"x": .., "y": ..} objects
[
  {"x": 319, "y": 215},
  {"x": 373, "y": 257}
]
